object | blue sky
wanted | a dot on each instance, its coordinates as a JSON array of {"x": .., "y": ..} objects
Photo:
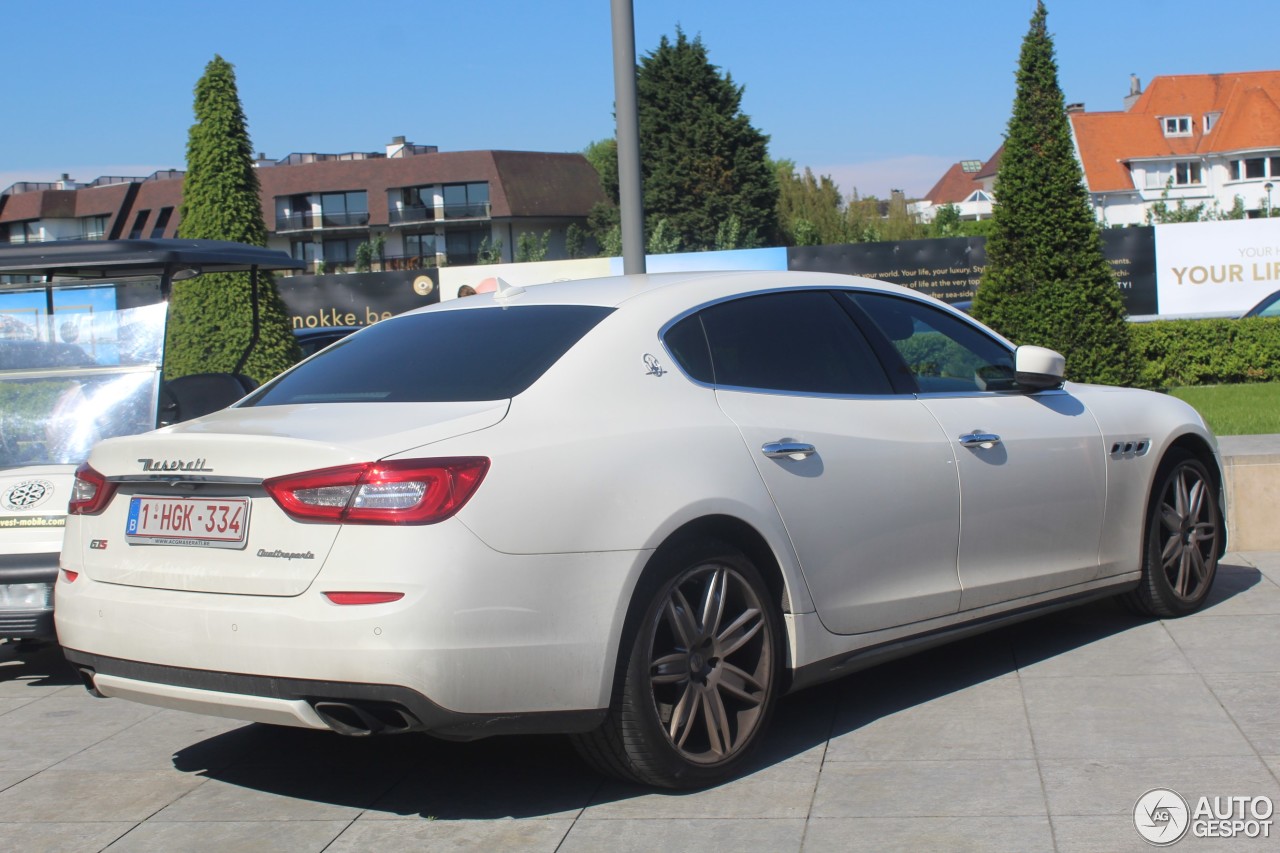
[{"x": 877, "y": 94}]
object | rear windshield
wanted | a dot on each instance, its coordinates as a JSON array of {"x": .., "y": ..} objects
[{"x": 437, "y": 357}]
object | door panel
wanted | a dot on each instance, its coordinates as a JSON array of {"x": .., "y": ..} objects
[
  {"x": 872, "y": 513},
  {"x": 1032, "y": 503}
]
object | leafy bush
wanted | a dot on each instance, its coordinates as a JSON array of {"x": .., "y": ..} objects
[{"x": 1174, "y": 353}]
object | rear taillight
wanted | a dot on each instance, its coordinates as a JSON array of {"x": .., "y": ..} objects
[
  {"x": 90, "y": 493},
  {"x": 409, "y": 491}
]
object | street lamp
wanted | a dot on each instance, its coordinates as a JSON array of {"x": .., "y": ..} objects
[{"x": 1267, "y": 187}]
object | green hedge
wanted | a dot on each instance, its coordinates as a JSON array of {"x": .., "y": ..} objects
[{"x": 1177, "y": 353}]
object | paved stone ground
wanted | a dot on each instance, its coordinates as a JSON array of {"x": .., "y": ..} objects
[{"x": 1036, "y": 737}]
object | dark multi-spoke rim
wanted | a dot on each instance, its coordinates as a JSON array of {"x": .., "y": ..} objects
[
  {"x": 1188, "y": 533},
  {"x": 710, "y": 663}
]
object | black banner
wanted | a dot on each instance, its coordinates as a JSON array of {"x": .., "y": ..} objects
[
  {"x": 355, "y": 299},
  {"x": 950, "y": 268}
]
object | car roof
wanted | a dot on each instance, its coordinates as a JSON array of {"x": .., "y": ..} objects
[{"x": 668, "y": 288}]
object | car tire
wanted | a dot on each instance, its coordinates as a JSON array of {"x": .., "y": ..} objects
[
  {"x": 699, "y": 675},
  {"x": 1183, "y": 538}
]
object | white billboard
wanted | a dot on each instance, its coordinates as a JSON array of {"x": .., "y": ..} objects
[{"x": 1216, "y": 268}]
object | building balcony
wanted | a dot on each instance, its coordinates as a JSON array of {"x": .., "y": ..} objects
[
  {"x": 325, "y": 221},
  {"x": 418, "y": 213},
  {"x": 411, "y": 214}
]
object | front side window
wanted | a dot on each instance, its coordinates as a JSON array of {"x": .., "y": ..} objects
[
  {"x": 799, "y": 342},
  {"x": 944, "y": 353}
]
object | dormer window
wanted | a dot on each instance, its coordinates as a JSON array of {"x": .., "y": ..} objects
[
  {"x": 1210, "y": 119},
  {"x": 1177, "y": 125}
]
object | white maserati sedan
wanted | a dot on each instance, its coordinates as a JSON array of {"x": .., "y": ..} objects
[{"x": 634, "y": 509}]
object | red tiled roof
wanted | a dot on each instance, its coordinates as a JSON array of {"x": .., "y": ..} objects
[
  {"x": 953, "y": 187},
  {"x": 1249, "y": 118}
]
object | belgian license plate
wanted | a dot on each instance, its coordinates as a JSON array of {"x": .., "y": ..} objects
[{"x": 196, "y": 522}]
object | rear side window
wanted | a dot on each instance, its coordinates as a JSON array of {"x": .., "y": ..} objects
[
  {"x": 436, "y": 357},
  {"x": 797, "y": 342}
]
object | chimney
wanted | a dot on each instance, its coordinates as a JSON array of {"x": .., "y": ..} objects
[
  {"x": 396, "y": 146},
  {"x": 1135, "y": 92},
  {"x": 1076, "y": 107},
  {"x": 65, "y": 182},
  {"x": 262, "y": 162}
]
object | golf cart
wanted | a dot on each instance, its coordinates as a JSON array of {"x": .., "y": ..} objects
[{"x": 82, "y": 331}]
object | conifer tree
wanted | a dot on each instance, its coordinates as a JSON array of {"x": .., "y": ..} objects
[
  {"x": 1046, "y": 280},
  {"x": 701, "y": 159},
  {"x": 210, "y": 316}
]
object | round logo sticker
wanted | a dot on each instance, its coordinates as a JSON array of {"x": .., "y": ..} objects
[
  {"x": 1161, "y": 817},
  {"x": 28, "y": 494},
  {"x": 423, "y": 285}
]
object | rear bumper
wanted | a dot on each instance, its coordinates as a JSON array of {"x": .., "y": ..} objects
[
  {"x": 478, "y": 633},
  {"x": 28, "y": 623},
  {"x": 347, "y": 708}
]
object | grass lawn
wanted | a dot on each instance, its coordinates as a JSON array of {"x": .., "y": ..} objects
[{"x": 1248, "y": 409}]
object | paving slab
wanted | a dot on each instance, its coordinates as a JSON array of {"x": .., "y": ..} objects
[
  {"x": 1038, "y": 736},
  {"x": 911, "y": 835}
]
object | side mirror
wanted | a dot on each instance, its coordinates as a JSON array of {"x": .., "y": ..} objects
[{"x": 1038, "y": 368}]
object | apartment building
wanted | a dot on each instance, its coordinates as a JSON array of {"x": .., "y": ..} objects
[{"x": 423, "y": 207}]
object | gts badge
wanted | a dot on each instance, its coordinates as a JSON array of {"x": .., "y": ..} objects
[
  {"x": 98, "y": 544},
  {"x": 654, "y": 366}
]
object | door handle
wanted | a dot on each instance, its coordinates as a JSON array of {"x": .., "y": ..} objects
[
  {"x": 788, "y": 450},
  {"x": 978, "y": 438}
]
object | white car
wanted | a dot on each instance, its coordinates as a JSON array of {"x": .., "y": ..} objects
[{"x": 636, "y": 509}]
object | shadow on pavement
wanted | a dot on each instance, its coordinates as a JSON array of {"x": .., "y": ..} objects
[
  {"x": 38, "y": 664},
  {"x": 523, "y": 777}
]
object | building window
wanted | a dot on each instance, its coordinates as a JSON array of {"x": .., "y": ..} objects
[
  {"x": 341, "y": 251},
  {"x": 304, "y": 250},
  {"x": 1186, "y": 173},
  {"x": 1210, "y": 119},
  {"x": 420, "y": 246},
  {"x": 1177, "y": 126},
  {"x": 343, "y": 210},
  {"x": 93, "y": 227},
  {"x": 139, "y": 224},
  {"x": 466, "y": 201},
  {"x": 463, "y": 247},
  {"x": 293, "y": 212},
  {"x": 1253, "y": 168},
  {"x": 162, "y": 222},
  {"x": 20, "y": 232},
  {"x": 413, "y": 204}
]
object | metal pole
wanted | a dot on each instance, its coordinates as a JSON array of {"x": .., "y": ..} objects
[{"x": 630, "y": 200}]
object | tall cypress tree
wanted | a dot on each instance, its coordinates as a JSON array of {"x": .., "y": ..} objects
[
  {"x": 210, "y": 317},
  {"x": 1046, "y": 280},
  {"x": 702, "y": 162}
]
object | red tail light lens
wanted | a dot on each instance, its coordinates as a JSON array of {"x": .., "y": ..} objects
[
  {"x": 408, "y": 491},
  {"x": 90, "y": 493}
]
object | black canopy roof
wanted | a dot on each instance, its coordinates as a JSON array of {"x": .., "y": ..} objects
[{"x": 103, "y": 258}]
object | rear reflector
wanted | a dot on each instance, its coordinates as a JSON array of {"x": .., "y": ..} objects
[
  {"x": 406, "y": 491},
  {"x": 70, "y": 575},
  {"x": 363, "y": 597}
]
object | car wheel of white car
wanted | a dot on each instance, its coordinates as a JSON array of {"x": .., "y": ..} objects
[
  {"x": 701, "y": 675},
  {"x": 1183, "y": 537}
]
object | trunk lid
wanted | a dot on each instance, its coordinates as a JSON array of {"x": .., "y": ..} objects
[{"x": 205, "y": 472}]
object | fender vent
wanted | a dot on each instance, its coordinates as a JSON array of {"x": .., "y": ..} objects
[{"x": 1131, "y": 448}]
